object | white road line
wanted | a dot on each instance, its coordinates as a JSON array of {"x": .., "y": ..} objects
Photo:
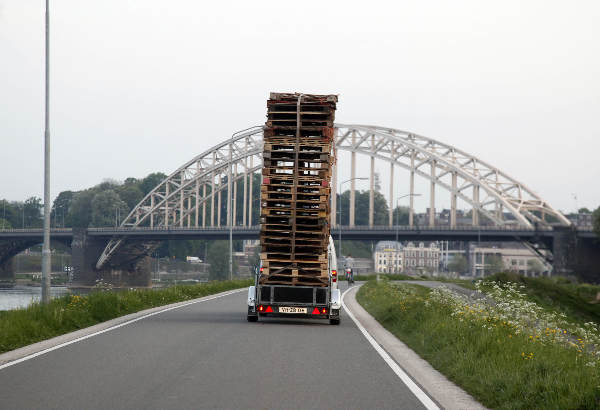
[
  {"x": 413, "y": 387},
  {"x": 79, "y": 339}
]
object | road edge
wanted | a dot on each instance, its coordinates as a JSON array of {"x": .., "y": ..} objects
[
  {"x": 21, "y": 354},
  {"x": 447, "y": 394}
]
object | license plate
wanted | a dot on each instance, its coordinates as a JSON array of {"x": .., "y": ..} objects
[{"x": 286, "y": 309}]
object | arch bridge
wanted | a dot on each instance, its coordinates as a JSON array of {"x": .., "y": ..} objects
[{"x": 192, "y": 195}]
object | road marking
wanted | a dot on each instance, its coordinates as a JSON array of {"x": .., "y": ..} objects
[
  {"x": 413, "y": 387},
  {"x": 79, "y": 339}
]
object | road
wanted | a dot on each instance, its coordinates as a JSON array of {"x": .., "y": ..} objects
[{"x": 206, "y": 355}]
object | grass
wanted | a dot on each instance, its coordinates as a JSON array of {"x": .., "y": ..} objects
[
  {"x": 490, "y": 352},
  {"x": 62, "y": 315},
  {"x": 400, "y": 276}
]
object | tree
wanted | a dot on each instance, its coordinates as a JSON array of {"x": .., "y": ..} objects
[
  {"x": 380, "y": 212},
  {"x": 458, "y": 264},
  {"x": 80, "y": 211},
  {"x": 218, "y": 257},
  {"x": 400, "y": 216},
  {"x": 33, "y": 212},
  {"x": 131, "y": 194},
  {"x": 107, "y": 209},
  {"x": 61, "y": 207},
  {"x": 596, "y": 221},
  {"x": 151, "y": 181},
  {"x": 4, "y": 224},
  {"x": 493, "y": 264}
]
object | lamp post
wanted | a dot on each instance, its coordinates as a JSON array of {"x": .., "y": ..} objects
[
  {"x": 340, "y": 211},
  {"x": 397, "y": 221},
  {"x": 46, "y": 262},
  {"x": 231, "y": 241}
]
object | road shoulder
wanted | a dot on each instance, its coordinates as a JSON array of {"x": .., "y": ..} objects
[
  {"x": 443, "y": 391},
  {"x": 55, "y": 342}
]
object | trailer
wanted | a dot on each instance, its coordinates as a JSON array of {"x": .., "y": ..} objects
[
  {"x": 297, "y": 275},
  {"x": 314, "y": 302}
]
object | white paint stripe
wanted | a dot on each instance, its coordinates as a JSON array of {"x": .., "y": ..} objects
[
  {"x": 413, "y": 387},
  {"x": 79, "y": 339}
]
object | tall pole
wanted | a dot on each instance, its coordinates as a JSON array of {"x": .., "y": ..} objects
[
  {"x": 46, "y": 262},
  {"x": 231, "y": 248},
  {"x": 397, "y": 219},
  {"x": 340, "y": 211}
]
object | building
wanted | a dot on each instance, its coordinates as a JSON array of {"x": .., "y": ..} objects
[
  {"x": 581, "y": 220},
  {"x": 388, "y": 257},
  {"x": 421, "y": 258},
  {"x": 515, "y": 257}
]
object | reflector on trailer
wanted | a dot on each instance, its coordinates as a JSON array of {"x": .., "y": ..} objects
[
  {"x": 269, "y": 310},
  {"x": 266, "y": 181},
  {"x": 316, "y": 311}
]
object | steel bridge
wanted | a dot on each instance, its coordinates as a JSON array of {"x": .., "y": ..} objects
[
  {"x": 191, "y": 196},
  {"x": 188, "y": 203}
]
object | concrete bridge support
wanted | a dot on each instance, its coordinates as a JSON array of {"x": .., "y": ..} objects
[
  {"x": 133, "y": 272},
  {"x": 564, "y": 249},
  {"x": 7, "y": 271}
]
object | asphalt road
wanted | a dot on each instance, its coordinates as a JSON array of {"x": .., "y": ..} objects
[{"x": 207, "y": 355}]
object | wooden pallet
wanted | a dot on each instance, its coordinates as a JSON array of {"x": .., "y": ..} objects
[{"x": 295, "y": 193}]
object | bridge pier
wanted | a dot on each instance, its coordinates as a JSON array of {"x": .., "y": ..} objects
[
  {"x": 85, "y": 253},
  {"x": 7, "y": 271},
  {"x": 563, "y": 250}
]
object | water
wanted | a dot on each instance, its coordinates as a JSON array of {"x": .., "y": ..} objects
[{"x": 22, "y": 296}]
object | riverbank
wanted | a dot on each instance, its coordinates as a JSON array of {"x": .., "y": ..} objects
[
  {"x": 508, "y": 355},
  {"x": 37, "y": 322}
]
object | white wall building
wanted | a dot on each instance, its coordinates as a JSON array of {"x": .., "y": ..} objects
[
  {"x": 388, "y": 257},
  {"x": 517, "y": 259}
]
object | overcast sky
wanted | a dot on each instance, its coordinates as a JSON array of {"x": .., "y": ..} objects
[{"x": 143, "y": 85}]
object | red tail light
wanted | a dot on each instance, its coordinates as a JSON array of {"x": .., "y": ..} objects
[
  {"x": 261, "y": 269},
  {"x": 261, "y": 308},
  {"x": 324, "y": 311},
  {"x": 269, "y": 310},
  {"x": 334, "y": 275},
  {"x": 316, "y": 311}
]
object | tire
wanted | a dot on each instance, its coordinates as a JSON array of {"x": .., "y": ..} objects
[
  {"x": 334, "y": 321},
  {"x": 252, "y": 318}
]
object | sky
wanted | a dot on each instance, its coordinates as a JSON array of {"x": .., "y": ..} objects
[{"x": 139, "y": 86}]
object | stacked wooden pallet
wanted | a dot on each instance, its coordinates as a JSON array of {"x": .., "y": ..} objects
[{"x": 298, "y": 141}]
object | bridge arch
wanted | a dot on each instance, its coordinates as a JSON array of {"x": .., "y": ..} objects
[{"x": 183, "y": 197}]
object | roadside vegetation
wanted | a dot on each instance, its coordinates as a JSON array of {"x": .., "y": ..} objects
[
  {"x": 470, "y": 284},
  {"x": 509, "y": 353},
  {"x": 62, "y": 315}
]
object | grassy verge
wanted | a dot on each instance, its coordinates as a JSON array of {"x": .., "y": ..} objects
[
  {"x": 399, "y": 276},
  {"x": 504, "y": 357},
  {"x": 575, "y": 300},
  {"x": 38, "y": 322}
]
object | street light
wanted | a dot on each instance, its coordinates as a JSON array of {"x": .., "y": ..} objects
[
  {"x": 397, "y": 222},
  {"x": 340, "y": 211},
  {"x": 46, "y": 262}
]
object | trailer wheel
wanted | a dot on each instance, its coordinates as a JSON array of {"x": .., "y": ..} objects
[
  {"x": 334, "y": 321},
  {"x": 252, "y": 318}
]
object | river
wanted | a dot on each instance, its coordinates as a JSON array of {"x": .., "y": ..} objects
[{"x": 22, "y": 296}]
